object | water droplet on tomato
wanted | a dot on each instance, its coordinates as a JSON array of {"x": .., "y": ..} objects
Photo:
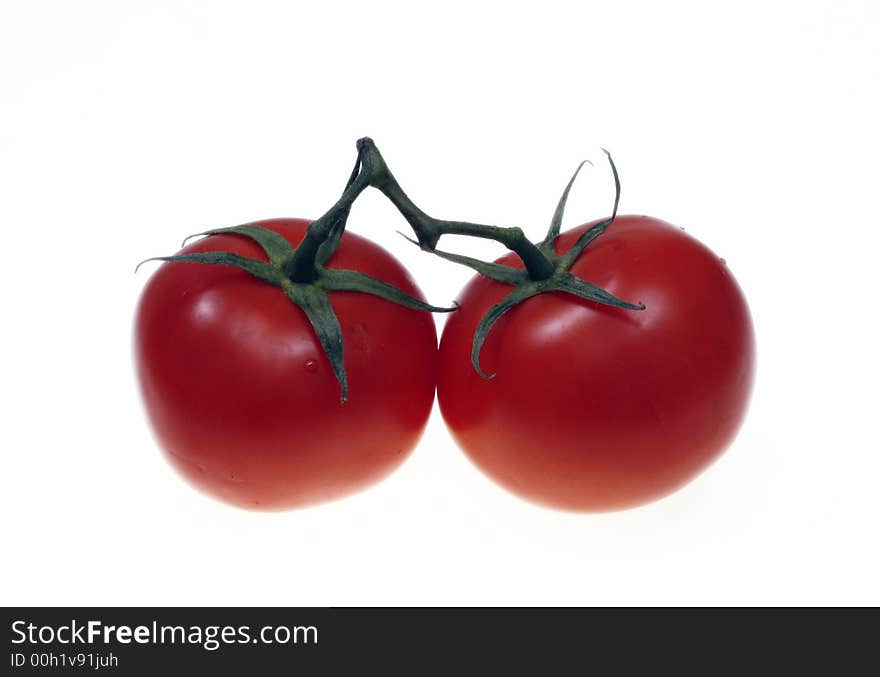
[
  {"x": 723, "y": 262},
  {"x": 311, "y": 366}
]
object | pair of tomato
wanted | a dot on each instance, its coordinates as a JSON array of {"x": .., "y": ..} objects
[{"x": 591, "y": 408}]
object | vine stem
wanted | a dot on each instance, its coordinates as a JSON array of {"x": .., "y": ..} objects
[
  {"x": 371, "y": 170},
  {"x": 428, "y": 230},
  {"x": 302, "y": 267}
]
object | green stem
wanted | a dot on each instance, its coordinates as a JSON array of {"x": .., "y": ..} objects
[
  {"x": 302, "y": 267},
  {"x": 428, "y": 230}
]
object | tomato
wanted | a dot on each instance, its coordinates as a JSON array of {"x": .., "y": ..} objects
[
  {"x": 596, "y": 408},
  {"x": 241, "y": 396}
]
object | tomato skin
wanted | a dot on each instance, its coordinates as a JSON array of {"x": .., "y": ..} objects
[
  {"x": 596, "y": 408},
  {"x": 242, "y": 397}
]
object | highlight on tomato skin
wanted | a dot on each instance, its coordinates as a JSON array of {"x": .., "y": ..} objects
[
  {"x": 594, "y": 408},
  {"x": 242, "y": 398}
]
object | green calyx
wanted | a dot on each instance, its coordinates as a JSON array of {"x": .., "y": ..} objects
[
  {"x": 545, "y": 270},
  {"x": 560, "y": 279},
  {"x": 301, "y": 274}
]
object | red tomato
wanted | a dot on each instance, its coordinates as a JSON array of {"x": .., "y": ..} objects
[
  {"x": 242, "y": 397},
  {"x": 596, "y": 408}
]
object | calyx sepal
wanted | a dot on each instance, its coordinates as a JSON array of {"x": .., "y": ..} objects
[
  {"x": 526, "y": 283},
  {"x": 311, "y": 297}
]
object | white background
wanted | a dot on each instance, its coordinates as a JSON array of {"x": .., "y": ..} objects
[{"x": 126, "y": 125}]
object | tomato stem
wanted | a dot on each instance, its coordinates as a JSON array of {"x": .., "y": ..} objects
[
  {"x": 428, "y": 229},
  {"x": 304, "y": 264},
  {"x": 301, "y": 274}
]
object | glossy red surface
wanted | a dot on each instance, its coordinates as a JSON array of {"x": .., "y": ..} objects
[
  {"x": 596, "y": 408},
  {"x": 242, "y": 397}
]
